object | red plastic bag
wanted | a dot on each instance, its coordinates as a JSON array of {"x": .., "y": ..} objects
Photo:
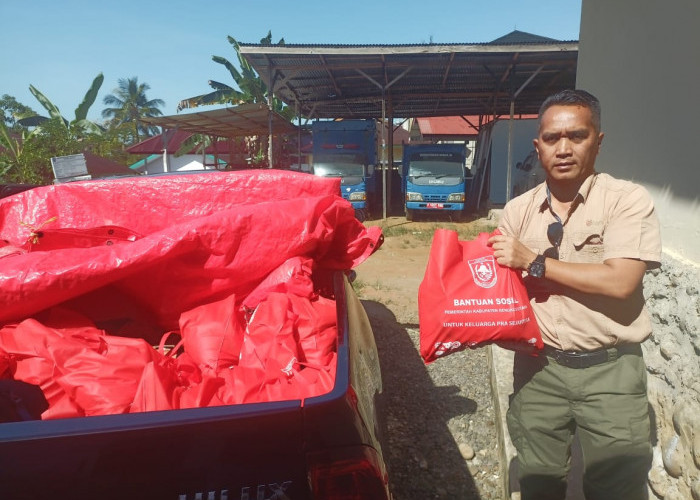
[
  {"x": 292, "y": 277},
  {"x": 279, "y": 358},
  {"x": 466, "y": 299},
  {"x": 81, "y": 370},
  {"x": 213, "y": 334}
]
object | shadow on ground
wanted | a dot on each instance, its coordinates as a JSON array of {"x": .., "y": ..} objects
[{"x": 423, "y": 458}]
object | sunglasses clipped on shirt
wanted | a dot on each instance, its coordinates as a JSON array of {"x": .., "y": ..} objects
[{"x": 555, "y": 233}]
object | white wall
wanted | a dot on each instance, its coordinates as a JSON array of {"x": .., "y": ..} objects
[
  {"x": 175, "y": 164},
  {"x": 524, "y": 131},
  {"x": 641, "y": 58}
]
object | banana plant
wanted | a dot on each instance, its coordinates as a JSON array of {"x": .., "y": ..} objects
[
  {"x": 12, "y": 144},
  {"x": 80, "y": 125},
  {"x": 251, "y": 88}
]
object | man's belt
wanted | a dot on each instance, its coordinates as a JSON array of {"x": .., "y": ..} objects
[{"x": 584, "y": 359}]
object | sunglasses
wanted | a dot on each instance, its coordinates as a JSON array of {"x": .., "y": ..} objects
[{"x": 555, "y": 233}]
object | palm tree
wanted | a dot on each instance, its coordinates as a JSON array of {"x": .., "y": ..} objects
[
  {"x": 251, "y": 88},
  {"x": 80, "y": 125},
  {"x": 130, "y": 104}
]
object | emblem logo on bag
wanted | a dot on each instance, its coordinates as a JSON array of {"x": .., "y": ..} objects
[{"x": 484, "y": 271}]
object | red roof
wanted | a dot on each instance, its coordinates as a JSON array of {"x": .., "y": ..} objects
[
  {"x": 102, "y": 167},
  {"x": 455, "y": 125},
  {"x": 401, "y": 135},
  {"x": 175, "y": 138},
  {"x": 449, "y": 125},
  {"x": 155, "y": 144}
]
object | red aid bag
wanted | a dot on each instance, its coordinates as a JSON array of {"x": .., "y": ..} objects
[{"x": 466, "y": 299}]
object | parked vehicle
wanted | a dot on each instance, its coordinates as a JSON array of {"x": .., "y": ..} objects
[
  {"x": 435, "y": 179},
  {"x": 325, "y": 446},
  {"x": 10, "y": 189},
  {"x": 348, "y": 149}
]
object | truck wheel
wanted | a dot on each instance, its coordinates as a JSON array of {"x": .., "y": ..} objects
[
  {"x": 360, "y": 215},
  {"x": 410, "y": 214}
]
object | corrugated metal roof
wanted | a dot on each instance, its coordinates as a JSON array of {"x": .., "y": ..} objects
[
  {"x": 350, "y": 81},
  {"x": 244, "y": 120},
  {"x": 520, "y": 37}
]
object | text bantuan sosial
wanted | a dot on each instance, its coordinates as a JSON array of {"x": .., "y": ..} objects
[{"x": 481, "y": 310}]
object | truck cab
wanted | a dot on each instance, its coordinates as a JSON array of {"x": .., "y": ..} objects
[
  {"x": 434, "y": 178},
  {"x": 348, "y": 149}
]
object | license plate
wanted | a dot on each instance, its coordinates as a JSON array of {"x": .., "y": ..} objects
[{"x": 435, "y": 205}]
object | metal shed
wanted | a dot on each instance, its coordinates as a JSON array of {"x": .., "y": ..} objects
[
  {"x": 241, "y": 120},
  {"x": 510, "y": 75},
  {"x": 355, "y": 81}
]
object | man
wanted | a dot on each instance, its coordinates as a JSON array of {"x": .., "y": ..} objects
[{"x": 585, "y": 239}]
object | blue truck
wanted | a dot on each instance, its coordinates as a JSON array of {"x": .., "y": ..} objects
[
  {"x": 348, "y": 149},
  {"x": 434, "y": 178}
]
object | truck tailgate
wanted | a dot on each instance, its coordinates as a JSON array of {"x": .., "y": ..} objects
[{"x": 229, "y": 452}]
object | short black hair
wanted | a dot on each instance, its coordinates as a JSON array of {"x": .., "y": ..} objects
[{"x": 572, "y": 97}]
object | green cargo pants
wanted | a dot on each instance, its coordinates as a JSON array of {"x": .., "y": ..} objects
[{"x": 606, "y": 403}]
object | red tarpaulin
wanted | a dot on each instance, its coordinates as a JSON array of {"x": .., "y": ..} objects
[{"x": 94, "y": 273}]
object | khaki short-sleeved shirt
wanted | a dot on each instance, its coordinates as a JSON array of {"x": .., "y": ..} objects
[{"x": 610, "y": 218}]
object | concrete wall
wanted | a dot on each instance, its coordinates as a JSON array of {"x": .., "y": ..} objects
[{"x": 641, "y": 58}]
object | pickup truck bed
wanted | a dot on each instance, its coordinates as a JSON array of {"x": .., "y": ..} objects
[
  {"x": 190, "y": 240},
  {"x": 322, "y": 447}
]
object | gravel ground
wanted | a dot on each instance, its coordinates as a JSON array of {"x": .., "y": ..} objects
[{"x": 440, "y": 435}]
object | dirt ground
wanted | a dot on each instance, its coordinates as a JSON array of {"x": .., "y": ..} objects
[
  {"x": 392, "y": 274},
  {"x": 439, "y": 433}
]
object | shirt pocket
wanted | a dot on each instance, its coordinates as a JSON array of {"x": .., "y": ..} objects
[{"x": 588, "y": 247}]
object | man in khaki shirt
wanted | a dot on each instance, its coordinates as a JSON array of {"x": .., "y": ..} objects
[{"x": 585, "y": 239}]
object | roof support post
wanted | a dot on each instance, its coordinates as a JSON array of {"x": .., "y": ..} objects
[
  {"x": 296, "y": 111},
  {"x": 270, "y": 95},
  {"x": 204, "y": 151},
  {"x": 387, "y": 164},
  {"x": 165, "y": 150},
  {"x": 390, "y": 162},
  {"x": 510, "y": 150},
  {"x": 383, "y": 160}
]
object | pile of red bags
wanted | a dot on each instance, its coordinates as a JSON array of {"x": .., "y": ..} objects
[{"x": 219, "y": 271}]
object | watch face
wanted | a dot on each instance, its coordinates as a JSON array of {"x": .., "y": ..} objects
[{"x": 536, "y": 268}]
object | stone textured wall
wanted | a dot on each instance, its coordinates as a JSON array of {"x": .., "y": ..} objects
[{"x": 673, "y": 364}]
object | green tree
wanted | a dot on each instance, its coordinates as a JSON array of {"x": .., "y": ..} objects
[
  {"x": 11, "y": 147},
  {"x": 12, "y": 110},
  {"x": 30, "y": 159},
  {"x": 80, "y": 126},
  {"x": 249, "y": 86},
  {"x": 130, "y": 105}
]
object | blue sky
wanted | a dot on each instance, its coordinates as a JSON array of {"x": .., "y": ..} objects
[{"x": 60, "y": 46}]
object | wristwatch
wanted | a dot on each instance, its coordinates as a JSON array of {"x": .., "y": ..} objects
[{"x": 536, "y": 267}]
